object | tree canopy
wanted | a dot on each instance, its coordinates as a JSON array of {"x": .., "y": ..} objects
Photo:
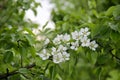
[{"x": 84, "y": 45}]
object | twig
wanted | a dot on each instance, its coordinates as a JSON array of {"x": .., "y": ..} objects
[
  {"x": 115, "y": 56},
  {"x": 5, "y": 75}
]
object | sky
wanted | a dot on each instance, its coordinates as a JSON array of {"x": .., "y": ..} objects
[{"x": 43, "y": 14}]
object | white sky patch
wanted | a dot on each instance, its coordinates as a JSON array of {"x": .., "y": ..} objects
[{"x": 43, "y": 14}]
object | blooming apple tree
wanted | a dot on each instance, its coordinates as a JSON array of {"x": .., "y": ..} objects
[{"x": 84, "y": 45}]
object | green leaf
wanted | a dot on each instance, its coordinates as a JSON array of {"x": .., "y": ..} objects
[
  {"x": 113, "y": 26},
  {"x": 109, "y": 12},
  {"x": 8, "y": 57},
  {"x": 114, "y": 75},
  {"x": 116, "y": 12},
  {"x": 29, "y": 31},
  {"x": 115, "y": 36},
  {"x": 94, "y": 57},
  {"x": 30, "y": 39},
  {"x": 114, "y": 51},
  {"x": 44, "y": 26},
  {"x": 103, "y": 59},
  {"x": 33, "y": 51},
  {"x": 98, "y": 71},
  {"x": 34, "y": 10},
  {"x": 40, "y": 62},
  {"x": 23, "y": 51},
  {"x": 53, "y": 72},
  {"x": 23, "y": 70}
]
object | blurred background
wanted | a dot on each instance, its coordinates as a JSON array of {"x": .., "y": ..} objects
[
  {"x": 43, "y": 13},
  {"x": 25, "y": 24}
]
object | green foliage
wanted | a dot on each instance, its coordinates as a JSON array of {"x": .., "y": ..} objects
[
  {"x": 19, "y": 47},
  {"x": 102, "y": 17},
  {"x": 8, "y": 56}
]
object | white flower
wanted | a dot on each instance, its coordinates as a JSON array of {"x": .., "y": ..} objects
[
  {"x": 57, "y": 58},
  {"x": 66, "y": 56},
  {"x": 76, "y": 35},
  {"x": 61, "y": 48},
  {"x": 46, "y": 41},
  {"x": 66, "y": 37},
  {"x": 60, "y": 57},
  {"x": 44, "y": 55},
  {"x": 54, "y": 51},
  {"x": 57, "y": 40},
  {"x": 84, "y": 32},
  {"x": 74, "y": 45},
  {"x": 60, "y": 36},
  {"x": 85, "y": 42},
  {"x": 93, "y": 45}
]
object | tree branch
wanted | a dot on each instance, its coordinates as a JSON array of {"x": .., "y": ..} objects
[
  {"x": 5, "y": 75},
  {"x": 115, "y": 56}
]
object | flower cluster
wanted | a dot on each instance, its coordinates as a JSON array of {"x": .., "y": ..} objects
[
  {"x": 82, "y": 37},
  {"x": 62, "y": 43},
  {"x": 61, "y": 38},
  {"x": 60, "y": 54}
]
